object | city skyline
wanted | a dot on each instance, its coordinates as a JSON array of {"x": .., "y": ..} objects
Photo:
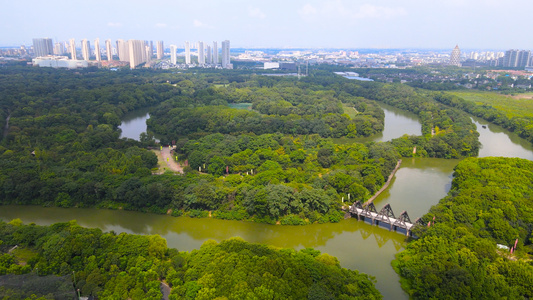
[{"x": 474, "y": 24}]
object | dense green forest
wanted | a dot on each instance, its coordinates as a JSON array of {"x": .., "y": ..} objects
[
  {"x": 283, "y": 106},
  {"x": 456, "y": 257},
  {"x": 62, "y": 148},
  {"x": 125, "y": 266}
]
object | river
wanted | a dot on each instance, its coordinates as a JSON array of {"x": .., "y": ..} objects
[{"x": 418, "y": 184}]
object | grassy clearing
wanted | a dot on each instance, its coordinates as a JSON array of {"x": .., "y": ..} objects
[
  {"x": 349, "y": 110},
  {"x": 161, "y": 164},
  {"x": 23, "y": 255},
  {"x": 511, "y": 106}
]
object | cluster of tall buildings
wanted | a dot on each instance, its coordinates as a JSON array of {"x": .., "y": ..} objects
[
  {"x": 516, "y": 59},
  {"x": 510, "y": 59},
  {"x": 135, "y": 52},
  {"x": 206, "y": 54}
]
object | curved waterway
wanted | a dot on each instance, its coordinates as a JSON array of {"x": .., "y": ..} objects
[
  {"x": 418, "y": 184},
  {"x": 358, "y": 245},
  {"x": 397, "y": 123}
]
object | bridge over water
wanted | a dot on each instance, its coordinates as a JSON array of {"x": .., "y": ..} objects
[{"x": 384, "y": 216}]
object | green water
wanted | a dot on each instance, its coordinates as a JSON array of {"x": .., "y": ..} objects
[{"x": 358, "y": 245}]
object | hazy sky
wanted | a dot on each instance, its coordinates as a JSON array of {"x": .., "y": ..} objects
[{"x": 472, "y": 24}]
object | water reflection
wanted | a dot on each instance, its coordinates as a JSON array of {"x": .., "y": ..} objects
[
  {"x": 397, "y": 123},
  {"x": 134, "y": 123},
  {"x": 497, "y": 141},
  {"x": 417, "y": 185},
  {"x": 357, "y": 245}
]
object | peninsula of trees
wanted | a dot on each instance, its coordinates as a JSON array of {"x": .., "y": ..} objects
[{"x": 61, "y": 141}]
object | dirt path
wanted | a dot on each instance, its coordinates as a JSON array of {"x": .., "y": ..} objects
[
  {"x": 164, "y": 155},
  {"x": 171, "y": 163}
]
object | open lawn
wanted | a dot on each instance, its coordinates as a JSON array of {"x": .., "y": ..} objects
[
  {"x": 23, "y": 255},
  {"x": 349, "y": 110},
  {"x": 511, "y": 105}
]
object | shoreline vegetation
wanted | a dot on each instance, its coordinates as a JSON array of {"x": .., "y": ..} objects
[
  {"x": 456, "y": 255},
  {"x": 127, "y": 266}
]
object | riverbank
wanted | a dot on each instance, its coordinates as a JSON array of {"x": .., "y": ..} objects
[{"x": 385, "y": 186}]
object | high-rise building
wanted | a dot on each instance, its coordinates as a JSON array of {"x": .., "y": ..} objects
[
  {"x": 123, "y": 50},
  {"x": 516, "y": 58},
  {"x": 215, "y": 53},
  {"x": 187, "y": 53},
  {"x": 59, "y": 49},
  {"x": 226, "y": 63},
  {"x": 148, "y": 52},
  {"x": 85, "y": 49},
  {"x": 455, "y": 57},
  {"x": 137, "y": 52},
  {"x": 43, "y": 47},
  {"x": 109, "y": 50},
  {"x": 97, "y": 50},
  {"x": 160, "y": 50},
  {"x": 209, "y": 54},
  {"x": 201, "y": 53},
  {"x": 151, "y": 49},
  {"x": 173, "y": 49},
  {"x": 72, "y": 47}
]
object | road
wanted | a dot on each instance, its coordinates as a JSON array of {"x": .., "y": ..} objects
[{"x": 171, "y": 163}]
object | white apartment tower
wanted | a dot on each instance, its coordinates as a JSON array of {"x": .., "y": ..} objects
[
  {"x": 59, "y": 49},
  {"x": 72, "y": 49},
  {"x": 215, "y": 53},
  {"x": 109, "y": 50},
  {"x": 160, "y": 50},
  {"x": 226, "y": 63},
  {"x": 209, "y": 56},
  {"x": 137, "y": 52},
  {"x": 173, "y": 49},
  {"x": 187, "y": 53},
  {"x": 123, "y": 50},
  {"x": 97, "y": 50},
  {"x": 85, "y": 49},
  {"x": 43, "y": 47},
  {"x": 201, "y": 53}
]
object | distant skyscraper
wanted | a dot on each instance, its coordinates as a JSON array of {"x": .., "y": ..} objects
[
  {"x": 151, "y": 49},
  {"x": 123, "y": 50},
  {"x": 455, "y": 57},
  {"x": 187, "y": 53},
  {"x": 85, "y": 49},
  {"x": 215, "y": 53},
  {"x": 97, "y": 50},
  {"x": 160, "y": 50},
  {"x": 148, "y": 53},
  {"x": 173, "y": 49},
  {"x": 43, "y": 47},
  {"x": 226, "y": 63},
  {"x": 72, "y": 47},
  {"x": 201, "y": 53},
  {"x": 137, "y": 52},
  {"x": 59, "y": 48},
  {"x": 209, "y": 54},
  {"x": 109, "y": 50},
  {"x": 516, "y": 58}
]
